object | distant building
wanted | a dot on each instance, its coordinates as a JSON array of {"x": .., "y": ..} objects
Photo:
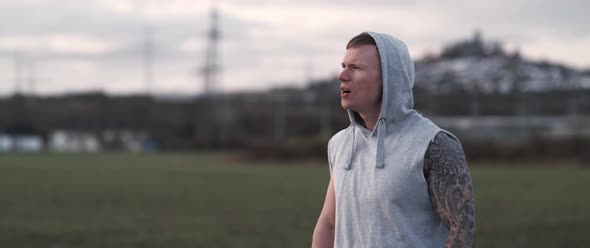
[
  {"x": 6, "y": 143},
  {"x": 21, "y": 138},
  {"x": 73, "y": 141},
  {"x": 20, "y": 143},
  {"x": 476, "y": 47},
  {"x": 28, "y": 143}
]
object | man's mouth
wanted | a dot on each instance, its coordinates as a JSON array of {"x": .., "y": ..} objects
[{"x": 344, "y": 90}]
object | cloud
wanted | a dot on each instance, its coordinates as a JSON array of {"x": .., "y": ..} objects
[{"x": 100, "y": 44}]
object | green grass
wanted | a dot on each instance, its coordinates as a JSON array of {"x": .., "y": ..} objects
[
  {"x": 532, "y": 207},
  {"x": 213, "y": 200}
]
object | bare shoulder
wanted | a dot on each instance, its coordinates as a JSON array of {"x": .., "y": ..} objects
[{"x": 444, "y": 156}]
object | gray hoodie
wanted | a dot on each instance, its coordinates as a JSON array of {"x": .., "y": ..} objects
[{"x": 382, "y": 198}]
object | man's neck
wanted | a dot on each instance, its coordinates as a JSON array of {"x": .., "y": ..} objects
[{"x": 370, "y": 120}]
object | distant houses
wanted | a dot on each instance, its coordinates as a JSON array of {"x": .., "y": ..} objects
[
  {"x": 20, "y": 142},
  {"x": 75, "y": 141},
  {"x": 22, "y": 138}
]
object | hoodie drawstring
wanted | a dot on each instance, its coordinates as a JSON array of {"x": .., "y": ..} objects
[
  {"x": 380, "y": 156},
  {"x": 381, "y": 131},
  {"x": 348, "y": 165}
]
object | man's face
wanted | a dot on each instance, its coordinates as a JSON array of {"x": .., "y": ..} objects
[{"x": 360, "y": 80}]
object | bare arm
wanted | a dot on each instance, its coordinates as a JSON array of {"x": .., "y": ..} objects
[
  {"x": 449, "y": 185},
  {"x": 323, "y": 235}
]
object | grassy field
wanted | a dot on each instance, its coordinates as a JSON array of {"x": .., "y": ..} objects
[{"x": 212, "y": 200}]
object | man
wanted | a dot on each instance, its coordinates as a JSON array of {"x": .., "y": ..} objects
[{"x": 396, "y": 179}]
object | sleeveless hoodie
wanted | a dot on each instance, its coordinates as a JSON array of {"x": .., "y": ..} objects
[{"x": 382, "y": 198}]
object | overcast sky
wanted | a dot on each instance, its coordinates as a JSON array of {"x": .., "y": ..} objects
[{"x": 71, "y": 46}]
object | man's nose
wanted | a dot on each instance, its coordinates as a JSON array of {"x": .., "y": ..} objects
[{"x": 343, "y": 76}]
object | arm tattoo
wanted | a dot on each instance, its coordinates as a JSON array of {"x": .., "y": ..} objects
[{"x": 449, "y": 185}]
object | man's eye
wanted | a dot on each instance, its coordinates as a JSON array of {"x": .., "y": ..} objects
[{"x": 352, "y": 67}]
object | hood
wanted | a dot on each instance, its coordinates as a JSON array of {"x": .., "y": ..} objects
[{"x": 397, "y": 72}]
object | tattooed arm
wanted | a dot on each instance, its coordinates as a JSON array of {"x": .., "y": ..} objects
[{"x": 449, "y": 185}]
